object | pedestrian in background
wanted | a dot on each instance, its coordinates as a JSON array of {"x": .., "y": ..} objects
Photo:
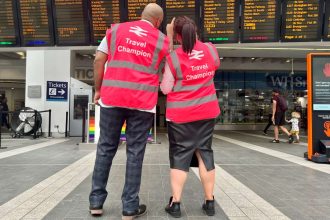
[
  {"x": 278, "y": 117},
  {"x": 127, "y": 91},
  {"x": 295, "y": 116},
  {"x": 4, "y": 117},
  {"x": 191, "y": 109},
  {"x": 270, "y": 115}
]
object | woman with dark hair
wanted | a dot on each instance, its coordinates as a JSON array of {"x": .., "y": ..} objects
[{"x": 191, "y": 109}]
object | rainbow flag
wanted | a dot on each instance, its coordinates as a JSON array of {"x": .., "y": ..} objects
[
  {"x": 91, "y": 127},
  {"x": 123, "y": 135}
]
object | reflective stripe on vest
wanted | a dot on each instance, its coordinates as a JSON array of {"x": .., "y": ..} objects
[
  {"x": 194, "y": 102},
  {"x": 138, "y": 67},
  {"x": 178, "y": 87},
  {"x": 214, "y": 55},
  {"x": 129, "y": 85},
  {"x": 113, "y": 38}
]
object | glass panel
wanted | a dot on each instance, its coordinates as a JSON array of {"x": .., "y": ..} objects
[{"x": 244, "y": 97}]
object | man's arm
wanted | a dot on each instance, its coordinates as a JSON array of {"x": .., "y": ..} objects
[
  {"x": 274, "y": 110},
  {"x": 99, "y": 62}
]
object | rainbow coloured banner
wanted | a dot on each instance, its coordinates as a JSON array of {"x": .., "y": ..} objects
[
  {"x": 91, "y": 126},
  {"x": 123, "y": 136}
]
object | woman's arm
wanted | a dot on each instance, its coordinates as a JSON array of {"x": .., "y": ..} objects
[{"x": 167, "y": 83}]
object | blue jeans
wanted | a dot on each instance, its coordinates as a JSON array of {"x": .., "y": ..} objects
[{"x": 138, "y": 124}]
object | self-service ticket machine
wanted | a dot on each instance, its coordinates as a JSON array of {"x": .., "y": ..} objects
[{"x": 318, "y": 82}]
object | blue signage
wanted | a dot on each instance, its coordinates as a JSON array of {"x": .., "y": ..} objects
[{"x": 57, "y": 91}]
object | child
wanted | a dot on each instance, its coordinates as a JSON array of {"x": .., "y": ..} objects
[{"x": 295, "y": 116}]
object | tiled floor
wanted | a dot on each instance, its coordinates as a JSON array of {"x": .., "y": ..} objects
[{"x": 255, "y": 180}]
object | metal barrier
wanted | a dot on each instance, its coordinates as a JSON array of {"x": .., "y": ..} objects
[{"x": 35, "y": 112}]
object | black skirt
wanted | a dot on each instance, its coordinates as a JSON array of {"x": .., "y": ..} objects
[{"x": 185, "y": 139}]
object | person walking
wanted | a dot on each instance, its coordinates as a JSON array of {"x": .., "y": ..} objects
[
  {"x": 270, "y": 122},
  {"x": 191, "y": 109},
  {"x": 4, "y": 117},
  {"x": 295, "y": 116},
  {"x": 127, "y": 91},
  {"x": 278, "y": 116}
]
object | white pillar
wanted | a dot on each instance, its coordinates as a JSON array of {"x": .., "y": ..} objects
[{"x": 43, "y": 66}]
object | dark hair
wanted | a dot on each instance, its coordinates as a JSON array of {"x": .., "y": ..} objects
[
  {"x": 276, "y": 90},
  {"x": 186, "y": 29}
]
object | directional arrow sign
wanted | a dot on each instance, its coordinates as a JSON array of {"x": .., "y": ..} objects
[
  {"x": 61, "y": 91},
  {"x": 57, "y": 91}
]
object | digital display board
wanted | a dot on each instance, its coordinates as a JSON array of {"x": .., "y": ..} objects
[
  {"x": 36, "y": 24},
  {"x": 221, "y": 21},
  {"x": 302, "y": 20},
  {"x": 260, "y": 20},
  {"x": 326, "y": 27},
  {"x": 318, "y": 75},
  {"x": 8, "y": 24},
  {"x": 175, "y": 8},
  {"x": 135, "y": 8},
  {"x": 71, "y": 24},
  {"x": 103, "y": 14}
]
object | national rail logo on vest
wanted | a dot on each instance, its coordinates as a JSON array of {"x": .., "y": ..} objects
[
  {"x": 195, "y": 54},
  {"x": 138, "y": 31},
  {"x": 141, "y": 45}
]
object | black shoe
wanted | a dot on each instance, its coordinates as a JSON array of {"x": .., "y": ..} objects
[
  {"x": 208, "y": 207},
  {"x": 142, "y": 210},
  {"x": 290, "y": 139},
  {"x": 96, "y": 210},
  {"x": 174, "y": 209},
  {"x": 275, "y": 141}
]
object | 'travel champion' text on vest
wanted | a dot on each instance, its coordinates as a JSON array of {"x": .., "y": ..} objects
[
  {"x": 199, "y": 75},
  {"x": 134, "y": 51}
]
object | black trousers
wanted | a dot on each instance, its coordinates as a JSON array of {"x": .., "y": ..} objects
[{"x": 270, "y": 123}]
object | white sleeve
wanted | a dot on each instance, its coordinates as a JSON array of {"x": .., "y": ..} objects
[{"x": 103, "y": 47}]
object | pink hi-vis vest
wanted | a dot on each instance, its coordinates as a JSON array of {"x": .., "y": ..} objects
[
  {"x": 193, "y": 97},
  {"x": 136, "y": 51}
]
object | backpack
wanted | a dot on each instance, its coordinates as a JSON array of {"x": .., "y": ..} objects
[{"x": 282, "y": 104}]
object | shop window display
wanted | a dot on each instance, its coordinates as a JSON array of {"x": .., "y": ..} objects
[{"x": 244, "y": 97}]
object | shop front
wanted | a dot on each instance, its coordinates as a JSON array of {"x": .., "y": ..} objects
[{"x": 244, "y": 97}]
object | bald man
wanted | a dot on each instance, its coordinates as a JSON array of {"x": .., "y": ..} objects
[{"x": 127, "y": 90}]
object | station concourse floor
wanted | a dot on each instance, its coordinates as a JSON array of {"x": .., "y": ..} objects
[{"x": 50, "y": 178}]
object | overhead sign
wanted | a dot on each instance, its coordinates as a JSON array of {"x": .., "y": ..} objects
[
  {"x": 57, "y": 91},
  {"x": 318, "y": 76}
]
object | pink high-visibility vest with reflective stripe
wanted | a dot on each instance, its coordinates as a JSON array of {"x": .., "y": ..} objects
[
  {"x": 193, "y": 97},
  {"x": 136, "y": 51}
]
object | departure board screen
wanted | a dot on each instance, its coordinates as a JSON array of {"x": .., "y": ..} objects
[
  {"x": 260, "y": 20},
  {"x": 103, "y": 14},
  {"x": 71, "y": 24},
  {"x": 326, "y": 28},
  {"x": 221, "y": 21},
  {"x": 135, "y": 8},
  {"x": 8, "y": 24},
  {"x": 35, "y": 22},
  {"x": 302, "y": 20},
  {"x": 175, "y": 8}
]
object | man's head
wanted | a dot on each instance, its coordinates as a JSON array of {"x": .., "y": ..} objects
[
  {"x": 153, "y": 13},
  {"x": 276, "y": 92}
]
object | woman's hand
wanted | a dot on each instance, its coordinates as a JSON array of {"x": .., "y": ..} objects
[
  {"x": 170, "y": 33},
  {"x": 170, "y": 28}
]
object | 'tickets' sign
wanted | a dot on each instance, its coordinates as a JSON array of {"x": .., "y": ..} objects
[
  {"x": 57, "y": 91},
  {"x": 318, "y": 78}
]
